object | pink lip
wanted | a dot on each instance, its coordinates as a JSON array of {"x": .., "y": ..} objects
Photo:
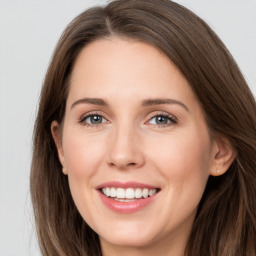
[
  {"x": 130, "y": 184},
  {"x": 125, "y": 207}
]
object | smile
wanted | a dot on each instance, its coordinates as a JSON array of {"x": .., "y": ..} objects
[
  {"x": 127, "y": 197},
  {"x": 122, "y": 194}
]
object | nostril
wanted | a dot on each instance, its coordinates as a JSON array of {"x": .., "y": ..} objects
[
  {"x": 112, "y": 164},
  {"x": 131, "y": 164}
]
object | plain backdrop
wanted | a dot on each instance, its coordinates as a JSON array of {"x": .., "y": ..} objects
[{"x": 29, "y": 30}]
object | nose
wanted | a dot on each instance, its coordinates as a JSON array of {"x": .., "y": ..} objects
[{"x": 125, "y": 148}]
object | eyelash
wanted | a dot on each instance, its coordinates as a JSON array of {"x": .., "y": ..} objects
[
  {"x": 170, "y": 118},
  {"x": 83, "y": 118}
]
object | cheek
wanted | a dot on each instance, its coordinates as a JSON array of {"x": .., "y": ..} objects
[
  {"x": 82, "y": 154},
  {"x": 184, "y": 159}
]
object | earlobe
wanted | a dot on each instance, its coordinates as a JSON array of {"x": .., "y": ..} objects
[
  {"x": 56, "y": 134},
  {"x": 223, "y": 156}
]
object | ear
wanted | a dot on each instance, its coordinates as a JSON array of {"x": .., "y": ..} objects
[
  {"x": 56, "y": 134},
  {"x": 223, "y": 156}
]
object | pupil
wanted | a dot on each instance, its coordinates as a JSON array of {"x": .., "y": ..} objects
[
  {"x": 161, "y": 120},
  {"x": 96, "y": 119}
]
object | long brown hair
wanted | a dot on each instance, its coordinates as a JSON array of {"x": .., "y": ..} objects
[{"x": 225, "y": 224}]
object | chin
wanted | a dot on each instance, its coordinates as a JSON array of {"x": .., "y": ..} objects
[{"x": 129, "y": 239}]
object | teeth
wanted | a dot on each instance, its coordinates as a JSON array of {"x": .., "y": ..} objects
[
  {"x": 145, "y": 193},
  {"x": 120, "y": 193},
  {"x": 108, "y": 193},
  {"x": 152, "y": 192},
  {"x": 129, "y": 193},
  {"x": 123, "y": 200},
  {"x": 112, "y": 192},
  {"x": 138, "y": 193}
]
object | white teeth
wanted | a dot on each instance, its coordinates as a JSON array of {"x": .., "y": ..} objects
[
  {"x": 145, "y": 193},
  {"x": 108, "y": 193},
  {"x": 138, "y": 193},
  {"x": 123, "y": 200},
  {"x": 129, "y": 193},
  {"x": 120, "y": 193},
  {"x": 112, "y": 192},
  {"x": 152, "y": 192}
]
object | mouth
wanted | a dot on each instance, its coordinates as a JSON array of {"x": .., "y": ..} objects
[
  {"x": 128, "y": 194},
  {"x": 127, "y": 197}
]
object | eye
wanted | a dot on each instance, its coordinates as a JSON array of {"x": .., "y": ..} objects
[
  {"x": 93, "y": 119},
  {"x": 162, "y": 120}
]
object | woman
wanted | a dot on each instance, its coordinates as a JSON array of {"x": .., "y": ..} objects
[{"x": 145, "y": 138}]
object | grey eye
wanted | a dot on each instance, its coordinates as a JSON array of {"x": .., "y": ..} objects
[
  {"x": 94, "y": 119},
  {"x": 160, "y": 120}
]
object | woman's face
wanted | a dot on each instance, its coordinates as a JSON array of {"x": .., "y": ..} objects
[{"x": 135, "y": 145}]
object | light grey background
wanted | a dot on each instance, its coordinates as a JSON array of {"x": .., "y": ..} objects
[{"x": 29, "y": 30}]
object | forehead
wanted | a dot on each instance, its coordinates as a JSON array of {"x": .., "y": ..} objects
[{"x": 124, "y": 67}]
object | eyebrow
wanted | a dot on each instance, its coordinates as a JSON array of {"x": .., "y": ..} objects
[
  {"x": 150, "y": 102},
  {"x": 93, "y": 101},
  {"x": 145, "y": 103}
]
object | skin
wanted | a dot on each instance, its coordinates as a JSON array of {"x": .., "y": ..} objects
[{"x": 128, "y": 144}]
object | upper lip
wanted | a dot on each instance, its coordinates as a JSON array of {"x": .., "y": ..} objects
[{"x": 129, "y": 184}]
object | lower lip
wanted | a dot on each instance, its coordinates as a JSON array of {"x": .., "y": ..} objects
[{"x": 126, "y": 207}]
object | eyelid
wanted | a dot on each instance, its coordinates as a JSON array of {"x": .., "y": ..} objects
[
  {"x": 172, "y": 118},
  {"x": 92, "y": 113}
]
